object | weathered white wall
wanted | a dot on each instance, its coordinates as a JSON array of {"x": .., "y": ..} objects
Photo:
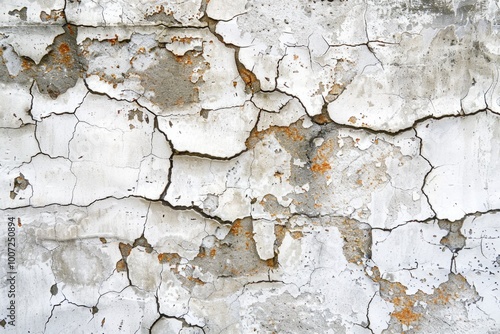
[{"x": 216, "y": 166}]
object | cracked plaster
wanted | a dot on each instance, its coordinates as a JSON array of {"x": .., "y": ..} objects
[{"x": 235, "y": 166}]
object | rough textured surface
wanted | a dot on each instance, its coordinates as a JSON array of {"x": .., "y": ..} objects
[{"x": 249, "y": 166}]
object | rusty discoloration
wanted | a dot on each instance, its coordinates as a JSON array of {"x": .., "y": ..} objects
[
  {"x": 320, "y": 161},
  {"x": 252, "y": 84},
  {"x": 20, "y": 183},
  {"x": 170, "y": 258},
  {"x": 125, "y": 249},
  {"x": 121, "y": 266},
  {"x": 54, "y": 15},
  {"x": 236, "y": 255}
]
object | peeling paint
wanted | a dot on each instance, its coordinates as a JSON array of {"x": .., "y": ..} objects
[{"x": 234, "y": 166}]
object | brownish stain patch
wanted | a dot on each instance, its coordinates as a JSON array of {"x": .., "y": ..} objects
[
  {"x": 185, "y": 59},
  {"x": 171, "y": 258},
  {"x": 121, "y": 266},
  {"x": 236, "y": 228},
  {"x": 185, "y": 40},
  {"x": 407, "y": 309},
  {"x": 54, "y": 15},
  {"x": 26, "y": 65},
  {"x": 321, "y": 167},
  {"x": 143, "y": 242},
  {"x": 236, "y": 255},
  {"x": 64, "y": 54},
  {"x": 19, "y": 224},
  {"x": 335, "y": 92},
  {"x": 352, "y": 120},
  {"x": 125, "y": 249},
  {"x": 113, "y": 41},
  {"x": 319, "y": 161},
  {"x": 195, "y": 280},
  {"x": 20, "y": 183},
  {"x": 103, "y": 240},
  {"x": 406, "y": 316},
  {"x": 252, "y": 84},
  {"x": 136, "y": 113},
  {"x": 289, "y": 132}
]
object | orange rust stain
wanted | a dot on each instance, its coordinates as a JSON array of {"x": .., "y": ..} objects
[
  {"x": 19, "y": 222},
  {"x": 167, "y": 257},
  {"x": 293, "y": 134},
  {"x": 321, "y": 167},
  {"x": 63, "y": 48},
  {"x": 320, "y": 160},
  {"x": 441, "y": 298},
  {"x": 295, "y": 57},
  {"x": 195, "y": 280},
  {"x": 64, "y": 56},
  {"x": 236, "y": 228},
  {"x": 26, "y": 64},
  {"x": 248, "y": 77},
  {"x": 359, "y": 182},
  {"x": 186, "y": 59},
  {"x": 213, "y": 251},
  {"x": 290, "y": 132},
  {"x": 406, "y": 316},
  {"x": 271, "y": 262},
  {"x": 235, "y": 83},
  {"x": 113, "y": 41},
  {"x": 182, "y": 39},
  {"x": 297, "y": 234},
  {"x": 352, "y": 120}
]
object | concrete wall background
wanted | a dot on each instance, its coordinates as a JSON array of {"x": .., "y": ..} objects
[{"x": 214, "y": 166}]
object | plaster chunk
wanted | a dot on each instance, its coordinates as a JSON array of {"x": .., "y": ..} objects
[
  {"x": 104, "y": 12},
  {"x": 414, "y": 252},
  {"x": 16, "y": 104},
  {"x": 290, "y": 113},
  {"x": 66, "y": 103},
  {"x": 19, "y": 146},
  {"x": 398, "y": 97},
  {"x": 54, "y": 134},
  {"x": 144, "y": 269},
  {"x": 222, "y": 179},
  {"x": 210, "y": 131},
  {"x": 463, "y": 179},
  {"x": 51, "y": 180},
  {"x": 271, "y": 102},
  {"x": 83, "y": 267},
  {"x": 177, "y": 231},
  {"x": 31, "y": 41},
  {"x": 104, "y": 221},
  {"x": 25, "y": 12},
  {"x": 173, "y": 298},
  {"x": 223, "y": 10},
  {"x": 264, "y": 238},
  {"x": 478, "y": 261}
]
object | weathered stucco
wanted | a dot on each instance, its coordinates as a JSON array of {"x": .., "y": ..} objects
[{"x": 216, "y": 166}]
